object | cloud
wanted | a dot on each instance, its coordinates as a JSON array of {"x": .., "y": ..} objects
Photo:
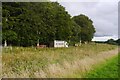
[
  {"x": 119, "y": 19},
  {"x": 103, "y": 14},
  {"x": 85, "y": 0},
  {"x": 105, "y": 38}
]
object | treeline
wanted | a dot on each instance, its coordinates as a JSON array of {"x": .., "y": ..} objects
[
  {"x": 0, "y": 25},
  {"x": 110, "y": 41},
  {"x": 114, "y": 42},
  {"x": 26, "y": 23}
]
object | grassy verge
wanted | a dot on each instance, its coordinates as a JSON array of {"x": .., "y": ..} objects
[
  {"x": 108, "y": 69},
  {"x": 47, "y": 62},
  {"x": 102, "y": 64}
]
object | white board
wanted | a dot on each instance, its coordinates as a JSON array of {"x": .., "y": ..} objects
[{"x": 58, "y": 43}]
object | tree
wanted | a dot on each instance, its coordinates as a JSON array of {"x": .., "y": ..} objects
[
  {"x": 27, "y": 23},
  {"x": 0, "y": 25},
  {"x": 111, "y": 41},
  {"x": 75, "y": 37},
  {"x": 118, "y": 41},
  {"x": 87, "y": 28}
]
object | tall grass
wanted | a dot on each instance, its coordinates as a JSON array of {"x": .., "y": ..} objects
[{"x": 47, "y": 62}]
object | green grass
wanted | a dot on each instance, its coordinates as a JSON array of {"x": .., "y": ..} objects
[
  {"x": 109, "y": 69},
  {"x": 27, "y": 61}
]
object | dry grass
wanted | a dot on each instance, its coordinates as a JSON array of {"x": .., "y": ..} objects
[
  {"x": 86, "y": 64},
  {"x": 52, "y": 62}
]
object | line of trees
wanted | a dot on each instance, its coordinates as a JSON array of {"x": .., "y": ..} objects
[
  {"x": 0, "y": 25},
  {"x": 110, "y": 41},
  {"x": 24, "y": 23},
  {"x": 113, "y": 42}
]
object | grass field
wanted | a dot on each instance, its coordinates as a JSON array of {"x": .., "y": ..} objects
[
  {"x": 49, "y": 62},
  {"x": 109, "y": 69}
]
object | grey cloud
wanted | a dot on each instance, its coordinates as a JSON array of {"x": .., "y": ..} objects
[
  {"x": 119, "y": 19},
  {"x": 103, "y": 14}
]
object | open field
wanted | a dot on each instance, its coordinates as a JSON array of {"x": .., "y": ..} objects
[{"x": 53, "y": 62}]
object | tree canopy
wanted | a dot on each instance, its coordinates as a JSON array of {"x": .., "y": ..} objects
[
  {"x": 87, "y": 27},
  {"x": 24, "y": 23}
]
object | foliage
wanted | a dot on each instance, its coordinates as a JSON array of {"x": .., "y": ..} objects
[
  {"x": 24, "y": 24},
  {"x": 87, "y": 28},
  {"x": 0, "y": 25},
  {"x": 75, "y": 38},
  {"x": 29, "y": 22},
  {"x": 118, "y": 41},
  {"x": 111, "y": 41}
]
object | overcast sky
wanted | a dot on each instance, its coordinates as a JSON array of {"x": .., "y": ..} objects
[{"x": 104, "y": 15}]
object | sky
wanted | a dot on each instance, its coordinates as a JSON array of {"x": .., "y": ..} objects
[{"x": 103, "y": 13}]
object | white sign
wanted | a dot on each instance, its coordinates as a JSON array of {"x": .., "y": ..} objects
[{"x": 58, "y": 43}]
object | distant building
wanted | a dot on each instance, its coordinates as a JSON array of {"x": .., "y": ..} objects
[{"x": 58, "y": 43}]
